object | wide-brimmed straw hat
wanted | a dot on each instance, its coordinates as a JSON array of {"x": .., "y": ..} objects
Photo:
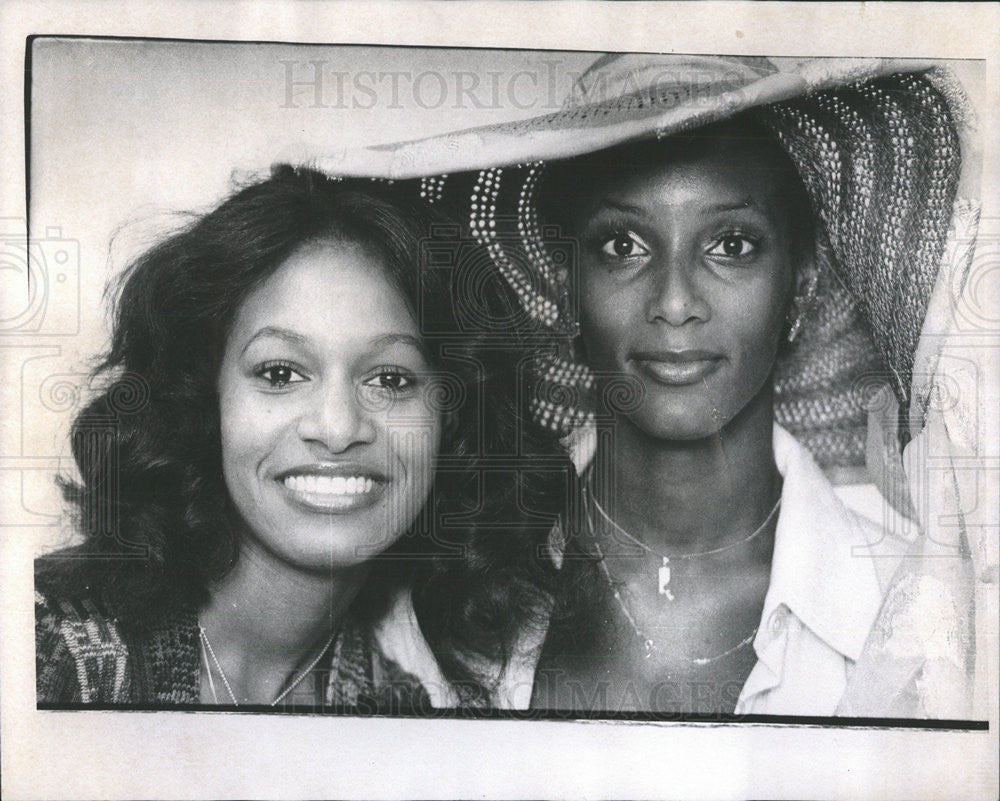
[{"x": 875, "y": 142}]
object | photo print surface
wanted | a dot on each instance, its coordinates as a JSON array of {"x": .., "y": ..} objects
[{"x": 499, "y": 383}]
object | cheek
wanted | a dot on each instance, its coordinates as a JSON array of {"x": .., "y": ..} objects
[
  {"x": 755, "y": 326},
  {"x": 249, "y": 428},
  {"x": 412, "y": 447},
  {"x": 605, "y": 318},
  {"x": 413, "y": 438},
  {"x": 757, "y": 321},
  {"x": 232, "y": 427}
]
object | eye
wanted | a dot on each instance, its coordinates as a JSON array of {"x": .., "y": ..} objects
[
  {"x": 391, "y": 379},
  {"x": 733, "y": 246},
  {"x": 624, "y": 245},
  {"x": 278, "y": 374}
]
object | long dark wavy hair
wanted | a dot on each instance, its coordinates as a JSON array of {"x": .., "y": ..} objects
[{"x": 151, "y": 503}]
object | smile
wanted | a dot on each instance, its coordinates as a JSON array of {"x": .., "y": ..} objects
[
  {"x": 677, "y": 368},
  {"x": 330, "y": 485},
  {"x": 318, "y": 491}
]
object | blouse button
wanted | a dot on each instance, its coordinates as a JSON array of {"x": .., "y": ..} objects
[{"x": 778, "y": 620}]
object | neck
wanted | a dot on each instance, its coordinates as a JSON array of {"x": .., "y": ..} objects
[
  {"x": 691, "y": 496},
  {"x": 265, "y": 618}
]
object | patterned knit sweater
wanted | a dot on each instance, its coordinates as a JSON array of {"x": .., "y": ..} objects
[{"x": 86, "y": 654}]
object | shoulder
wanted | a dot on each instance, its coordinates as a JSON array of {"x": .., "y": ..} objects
[
  {"x": 887, "y": 535},
  {"x": 80, "y": 655},
  {"x": 857, "y": 511},
  {"x": 401, "y": 650},
  {"x": 836, "y": 548},
  {"x": 362, "y": 673},
  {"x": 405, "y": 659},
  {"x": 396, "y": 689}
]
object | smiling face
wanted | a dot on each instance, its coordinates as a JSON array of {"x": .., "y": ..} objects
[
  {"x": 328, "y": 443},
  {"x": 686, "y": 273}
]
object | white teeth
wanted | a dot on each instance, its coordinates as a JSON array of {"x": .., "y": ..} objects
[{"x": 330, "y": 485}]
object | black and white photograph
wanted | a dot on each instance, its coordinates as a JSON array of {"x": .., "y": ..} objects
[{"x": 555, "y": 403}]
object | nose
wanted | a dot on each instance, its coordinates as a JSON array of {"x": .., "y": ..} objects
[
  {"x": 335, "y": 418},
  {"x": 675, "y": 297}
]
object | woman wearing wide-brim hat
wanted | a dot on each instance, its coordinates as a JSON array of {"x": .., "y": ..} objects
[{"x": 749, "y": 263}]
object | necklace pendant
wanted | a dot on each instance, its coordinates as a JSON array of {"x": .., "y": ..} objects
[{"x": 664, "y": 579}]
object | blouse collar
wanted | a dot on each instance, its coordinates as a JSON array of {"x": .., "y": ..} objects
[{"x": 821, "y": 570}]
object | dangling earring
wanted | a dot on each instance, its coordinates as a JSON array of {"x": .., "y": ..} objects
[
  {"x": 804, "y": 305},
  {"x": 796, "y": 326}
]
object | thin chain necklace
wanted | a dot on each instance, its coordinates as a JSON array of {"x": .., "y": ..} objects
[
  {"x": 207, "y": 644},
  {"x": 663, "y": 573},
  {"x": 647, "y": 643}
]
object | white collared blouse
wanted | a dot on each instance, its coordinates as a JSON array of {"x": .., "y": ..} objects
[{"x": 835, "y": 551}]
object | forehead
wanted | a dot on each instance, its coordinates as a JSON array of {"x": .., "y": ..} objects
[
  {"x": 709, "y": 172},
  {"x": 330, "y": 290}
]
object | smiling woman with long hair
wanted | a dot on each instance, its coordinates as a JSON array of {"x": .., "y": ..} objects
[{"x": 294, "y": 404}]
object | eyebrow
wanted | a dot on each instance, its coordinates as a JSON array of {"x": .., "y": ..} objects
[
  {"x": 738, "y": 205},
  {"x": 387, "y": 340},
  {"x": 628, "y": 208},
  {"x": 620, "y": 205},
  {"x": 286, "y": 334},
  {"x": 278, "y": 333}
]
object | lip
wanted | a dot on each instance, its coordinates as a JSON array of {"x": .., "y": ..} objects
[
  {"x": 332, "y": 488},
  {"x": 677, "y": 368}
]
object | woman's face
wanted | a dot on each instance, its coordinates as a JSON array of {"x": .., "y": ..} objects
[
  {"x": 328, "y": 443},
  {"x": 686, "y": 275}
]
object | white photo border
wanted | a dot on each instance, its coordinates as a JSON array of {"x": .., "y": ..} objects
[{"x": 89, "y": 754}]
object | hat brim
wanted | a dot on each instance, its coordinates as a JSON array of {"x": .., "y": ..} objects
[{"x": 592, "y": 127}]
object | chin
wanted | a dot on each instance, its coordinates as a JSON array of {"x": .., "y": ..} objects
[
  {"x": 326, "y": 546},
  {"x": 319, "y": 557},
  {"x": 684, "y": 425}
]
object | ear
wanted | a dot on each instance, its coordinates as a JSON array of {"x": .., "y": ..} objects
[
  {"x": 804, "y": 287},
  {"x": 807, "y": 274}
]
